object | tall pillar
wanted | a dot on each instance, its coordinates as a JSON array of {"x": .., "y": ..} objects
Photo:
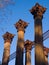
[
  {"x": 28, "y": 47},
  {"x": 7, "y": 42},
  {"x": 38, "y": 12},
  {"x": 46, "y": 51},
  {"x": 20, "y": 26}
]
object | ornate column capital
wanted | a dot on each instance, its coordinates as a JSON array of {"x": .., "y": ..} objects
[
  {"x": 46, "y": 51},
  {"x": 8, "y": 37},
  {"x": 21, "y": 25},
  {"x": 28, "y": 45},
  {"x": 38, "y": 11}
]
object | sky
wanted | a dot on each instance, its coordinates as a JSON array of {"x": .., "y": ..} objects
[{"x": 13, "y": 10}]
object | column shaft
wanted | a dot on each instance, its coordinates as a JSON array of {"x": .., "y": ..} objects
[
  {"x": 39, "y": 54},
  {"x": 6, "y": 53},
  {"x": 28, "y": 58},
  {"x": 28, "y": 47},
  {"x": 46, "y": 60},
  {"x": 20, "y": 48},
  {"x": 38, "y": 31}
]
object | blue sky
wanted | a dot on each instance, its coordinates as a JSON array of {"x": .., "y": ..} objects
[{"x": 14, "y": 10}]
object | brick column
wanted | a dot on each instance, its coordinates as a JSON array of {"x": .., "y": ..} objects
[
  {"x": 28, "y": 48},
  {"x": 46, "y": 51},
  {"x": 20, "y": 26},
  {"x": 38, "y": 12},
  {"x": 7, "y": 42}
]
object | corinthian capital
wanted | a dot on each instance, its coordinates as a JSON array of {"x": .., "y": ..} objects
[
  {"x": 21, "y": 25},
  {"x": 38, "y": 10},
  {"x": 28, "y": 45},
  {"x": 8, "y": 37},
  {"x": 46, "y": 51}
]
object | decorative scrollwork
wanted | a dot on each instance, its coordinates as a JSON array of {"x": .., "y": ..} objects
[
  {"x": 21, "y": 25},
  {"x": 8, "y": 37},
  {"x": 38, "y": 11}
]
